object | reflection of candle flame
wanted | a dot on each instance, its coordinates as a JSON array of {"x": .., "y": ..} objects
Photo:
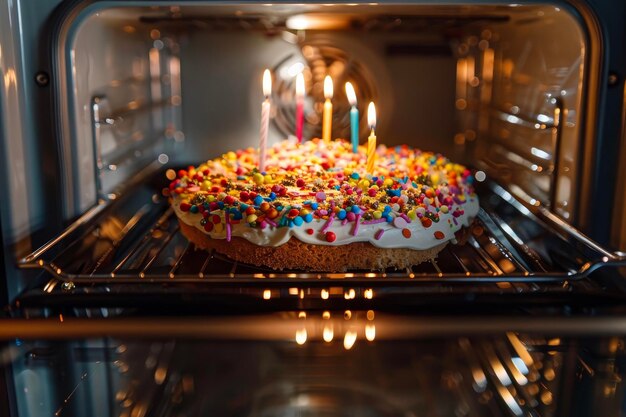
[
  {"x": 369, "y": 294},
  {"x": 325, "y": 294},
  {"x": 267, "y": 83},
  {"x": 301, "y": 336},
  {"x": 267, "y": 294},
  {"x": 300, "y": 85},
  {"x": 328, "y": 87},
  {"x": 351, "y": 94},
  {"x": 370, "y": 332},
  {"x": 328, "y": 333},
  {"x": 349, "y": 339},
  {"x": 371, "y": 116}
]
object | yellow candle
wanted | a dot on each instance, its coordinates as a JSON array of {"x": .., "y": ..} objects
[
  {"x": 371, "y": 141},
  {"x": 327, "y": 116}
]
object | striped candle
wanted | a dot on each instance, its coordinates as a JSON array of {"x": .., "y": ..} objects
[{"x": 265, "y": 119}]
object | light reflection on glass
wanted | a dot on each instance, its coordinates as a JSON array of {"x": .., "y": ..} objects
[
  {"x": 328, "y": 333},
  {"x": 370, "y": 332},
  {"x": 267, "y": 294},
  {"x": 349, "y": 339},
  {"x": 301, "y": 336},
  {"x": 324, "y": 294}
]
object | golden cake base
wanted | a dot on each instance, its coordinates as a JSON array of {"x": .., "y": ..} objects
[{"x": 303, "y": 256}]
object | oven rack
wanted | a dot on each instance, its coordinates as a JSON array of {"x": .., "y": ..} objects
[{"x": 135, "y": 239}]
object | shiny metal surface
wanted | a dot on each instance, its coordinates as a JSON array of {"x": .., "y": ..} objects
[
  {"x": 136, "y": 241},
  {"x": 282, "y": 365}
]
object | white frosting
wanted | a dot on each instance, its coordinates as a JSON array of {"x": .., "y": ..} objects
[{"x": 392, "y": 237}]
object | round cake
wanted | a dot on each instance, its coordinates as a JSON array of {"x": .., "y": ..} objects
[{"x": 316, "y": 208}]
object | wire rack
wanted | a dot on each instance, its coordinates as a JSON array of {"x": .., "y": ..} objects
[{"x": 135, "y": 239}]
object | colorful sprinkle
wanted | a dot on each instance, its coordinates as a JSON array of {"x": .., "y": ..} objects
[
  {"x": 331, "y": 236},
  {"x": 406, "y": 233}
]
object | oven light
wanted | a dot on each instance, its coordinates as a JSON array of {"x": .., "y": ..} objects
[
  {"x": 319, "y": 21},
  {"x": 299, "y": 22}
]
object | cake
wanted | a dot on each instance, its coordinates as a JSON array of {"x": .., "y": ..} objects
[{"x": 315, "y": 208}]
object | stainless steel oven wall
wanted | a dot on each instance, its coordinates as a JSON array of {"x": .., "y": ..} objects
[
  {"x": 519, "y": 95},
  {"x": 122, "y": 101}
]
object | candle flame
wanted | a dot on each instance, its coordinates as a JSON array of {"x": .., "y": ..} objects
[
  {"x": 328, "y": 87},
  {"x": 300, "y": 85},
  {"x": 351, "y": 94},
  {"x": 267, "y": 83},
  {"x": 371, "y": 115}
]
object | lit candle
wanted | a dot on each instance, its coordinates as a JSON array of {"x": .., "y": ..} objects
[
  {"x": 299, "y": 106},
  {"x": 354, "y": 117},
  {"x": 371, "y": 141},
  {"x": 265, "y": 118},
  {"x": 327, "y": 117}
]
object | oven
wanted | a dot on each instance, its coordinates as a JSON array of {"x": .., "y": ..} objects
[{"x": 111, "y": 310}]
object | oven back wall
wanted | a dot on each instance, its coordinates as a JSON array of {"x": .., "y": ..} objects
[{"x": 413, "y": 90}]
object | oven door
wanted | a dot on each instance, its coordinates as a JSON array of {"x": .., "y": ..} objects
[{"x": 318, "y": 364}]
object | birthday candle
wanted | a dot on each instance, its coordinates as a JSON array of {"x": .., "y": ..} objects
[
  {"x": 265, "y": 118},
  {"x": 327, "y": 117},
  {"x": 371, "y": 141},
  {"x": 354, "y": 117},
  {"x": 299, "y": 106}
]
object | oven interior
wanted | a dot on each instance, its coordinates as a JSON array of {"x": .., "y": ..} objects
[{"x": 501, "y": 88}]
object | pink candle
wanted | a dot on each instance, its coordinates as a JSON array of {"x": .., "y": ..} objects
[
  {"x": 265, "y": 119},
  {"x": 299, "y": 106}
]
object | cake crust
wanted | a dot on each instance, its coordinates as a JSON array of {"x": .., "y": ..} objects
[{"x": 303, "y": 256}]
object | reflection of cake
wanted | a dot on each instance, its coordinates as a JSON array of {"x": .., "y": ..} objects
[{"x": 315, "y": 208}]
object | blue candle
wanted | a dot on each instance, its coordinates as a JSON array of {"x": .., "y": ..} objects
[{"x": 354, "y": 117}]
